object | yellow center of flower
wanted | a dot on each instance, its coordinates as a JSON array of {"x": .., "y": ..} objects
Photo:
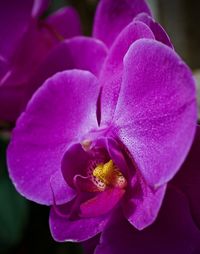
[{"x": 109, "y": 174}]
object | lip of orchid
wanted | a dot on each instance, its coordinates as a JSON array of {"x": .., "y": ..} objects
[
  {"x": 109, "y": 174},
  {"x": 100, "y": 172},
  {"x": 103, "y": 169}
]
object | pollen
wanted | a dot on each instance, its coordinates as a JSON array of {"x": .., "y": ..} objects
[{"x": 109, "y": 174}]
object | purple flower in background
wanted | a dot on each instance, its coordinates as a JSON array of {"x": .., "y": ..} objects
[
  {"x": 100, "y": 146},
  {"x": 26, "y": 41}
]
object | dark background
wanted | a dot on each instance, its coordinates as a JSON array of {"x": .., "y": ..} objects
[{"x": 24, "y": 225}]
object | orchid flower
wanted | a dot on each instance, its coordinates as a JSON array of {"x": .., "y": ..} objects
[
  {"x": 70, "y": 150},
  {"x": 100, "y": 143}
]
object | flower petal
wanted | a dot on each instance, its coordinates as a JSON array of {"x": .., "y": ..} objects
[
  {"x": 142, "y": 205},
  {"x": 64, "y": 193},
  {"x": 156, "y": 112},
  {"x": 77, "y": 53},
  {"x": 102, "y": 203},
  {"x": 63, "y": 228},
  {"x": 65, "y": 23},
  {"x": 111, "y": 74},
  {"x": 173, "y": 232},
  {"x": 113, "y": 15},
  {"x": 158, "y": 31},
  {"x": 188, "y": 178},
  {"x": 63, "y": 109}
]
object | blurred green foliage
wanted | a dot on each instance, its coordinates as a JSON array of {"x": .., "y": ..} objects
[
  {"x": 13, "y": 208},
  {"x": 13, "y": 215}
]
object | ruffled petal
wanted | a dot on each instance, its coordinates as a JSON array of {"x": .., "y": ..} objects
[
  {"x": 65, "y": 228},
  {"x": 188, "y": 178},
  {"x": 173, "y": 232},
  {"x": 111, "y": 74},
  {"x": 158, "y": 31},
  {"x": 156, "y": 112},
  {"x": 62, "y": 110},
  {"x": 113, "y": 15}
]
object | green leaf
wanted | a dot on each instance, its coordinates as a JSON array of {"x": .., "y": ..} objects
[{"x": 13, "y": 214}]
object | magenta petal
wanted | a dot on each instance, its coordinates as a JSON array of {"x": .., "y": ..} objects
[
  {"x": 158, "y": 31},
  {"x": 111, "y": 74},
  {"x": 64, "y": 193},
  {"x": 74, "y": 230},
  {"x": 77, "y": 53},
  {"x": 141, "y": 209},
  {"x": 102, "y": 203},
  {"x": 65, "y": 23},
  {"x": 156, "y": 112},
  {"x": 188, "y": 178},
  {"x": 173, "y": 232},
  {"x": 58, "y": 113},
  {"x": 113, "y": 15}
]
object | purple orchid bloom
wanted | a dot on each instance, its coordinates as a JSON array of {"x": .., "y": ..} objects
[
  {"x": 100, "y": 146},
  {"x": 26, "y": 40},
  {"x": 87, "y": 158}
]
